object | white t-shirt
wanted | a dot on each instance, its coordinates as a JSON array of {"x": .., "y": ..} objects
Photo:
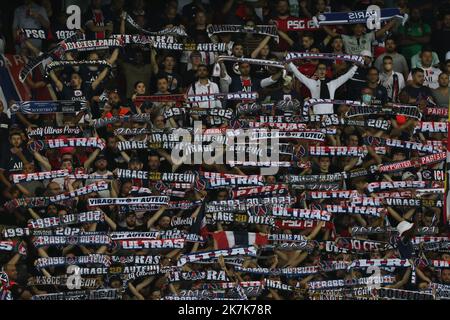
[
  {"x": 431, "y": 77},
  {"x": 355, "y": 45}
]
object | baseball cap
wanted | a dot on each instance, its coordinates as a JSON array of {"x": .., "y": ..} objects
[
  {"x": 366, "y": 53},
  {"x": 404, "y": 226},
  {"x": 101, "y": 156}
]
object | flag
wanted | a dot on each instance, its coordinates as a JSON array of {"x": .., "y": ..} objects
[
  {"x": 10, "y": 86},
  {"x": 199, "y": 225},
  {"x": 229, "y": 239}
]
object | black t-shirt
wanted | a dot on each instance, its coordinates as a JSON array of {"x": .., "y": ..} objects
[
  {"x": 85, "y": 93},
  {"x": 136, "y": 228},
  {"x": 417, "y": 93},
  {"x": 175, "y": 81},
  {"x": 12, "y": 163}
]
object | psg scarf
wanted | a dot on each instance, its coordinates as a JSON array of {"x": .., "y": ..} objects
[
  {"x": 230, "y": 239},
  {"x": 97, "y": 240},
  {"x": 92, "y": 142},
  {"x": 295, "y": 213},
  {"x": 207, "y": 255},
  {"x": 356, "y": 17},
  {"x": 293, "y": 56},
  {"x": 266, "y": 30},
  {"x": 45, "y": 107},
  {"x": 54, "y": 131},
  {"x": 426, "y": 160},
  {"x": 82, "y": 217},
  {"x": 410, "y": 145}
]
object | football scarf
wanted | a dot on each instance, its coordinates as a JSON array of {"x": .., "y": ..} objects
[
  {"x": 209, "y": 275},
  {"x": 409, "y": 145},
  {"x": 72, "y": 63},
  {"x": 100, "y": 294},
  {"x": 90, "y": 240},
  {"x": 387, "y": 185},
  {"x": 313, "y": 101},
  {"x": 264, "y": 30},
  {"x": 356, "y": 17},
  {"x": 245, "y": 204},
  {"x": 258, "y": 62},
  {"x": 75, "y": 218},
  {"x": 229, "y": 217},
  {"x": 230, "y": 239},
  {"x": 304, "y": 135},
  {"x": 21, "y": 232},
  {"x": 63, "y": 261},
  {"x": 46, "y": 107},
  {"x": 364, "y": 210},
  {"x": 296, "y": 164},
  {"x": 207, "y": 255},
  {"x": 425, "y": 160},
  {"x": 364, "y": 110},
  {"x": 55, "y": 53},
  {"x": 293, "y": 56},
  {"x": 244, "y": 192},
  {"x": 431, "y": 127},
  {"x": 13, "y": 246},
  {"x": 175, "y": 30},
  {"x": 301, "y": 224},
  {"x": 334, "y": 120},
  {"x": 140, "y": 244},
  {"x": 286, "y": 237},
  {"x": 357, "y": 245},
  {"x": 340, "y": 283},
  {"x": 143, "y": 117},
  {"x": 317, "y": 186},
  {"x": 338, "y": 194},
  {"x": 155, "y": 200},
  {"x": 397, "y": 294},
  {"x": 93, "y": 142},
  {"x": 342, "y": 151},
  {"x": 294, "y": 213},
  {"x": 54, "y": 131},
  {"x": 87, "y": 283},
  {"x": 135, "y": 260},
  {"x": 204, "y": 47},
  {"x": 366, "y": 263},
  {"x": 297, "y": 24},
  {"x": 131, "y": 131},
  {"x": 442, "y": 112},
  {"x": 45, "y": 201},
  {"x": 279, "y": 271}
]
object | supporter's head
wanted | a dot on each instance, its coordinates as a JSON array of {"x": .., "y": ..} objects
[
  {"x": 153, "y": 161},
  {"x": 29, "y": 167},
  {"x": 125, "y": 187},
  {"x": 67, "y": 161},
  {"x": 359, "y": 29},
  {"x": 352, "y": 140},
  {"x": 196, "y": 58},
  {"x": 135, "y": 164},
  {"x": 203, "y": 72},
  {"x": 222, "y": 195},
  {"x": 307, "y": 40},
  {"x": 314, "y": 50},
  {"x": 75, "y": 80},
  {"x": 53, "y": 189},
  {"x": 398, "y": 155},
  {"x": 372, "y": 75},
  {"x": 390, "y": 45},
  {"x": 155, "y": 295},
  {"x": 169, "y": 62},
  {"x": 15, "y": 139},
  {"x": 158, "y": 121},
  {"x": 111, "y": 142},
  {"x": 418, "y": 76},
  {"x": 237, "y": 50},
  {"x": 271, "y": 179},
  {"x": 162, "y": 84},
  {"x": 200, "y": 18},
  {"x": 337, "y": 44},
  {"x": 282, "y": 7},
  {"x": 445, "y": 276},
  {"x": 321, "y": 6},
  {"x": 443, "y": 80},
  {"x": 426, "y": 57},
  {"x": 101, "y": 162},
  {"x": 265, "y": 51},
  {"x": 324, "y": 164},
  {"x": 114, "y": 99},
  {"x": 164, "y": 222},
  {"x": 321, "y": 70},
  {"x": 11, "y": 270},
  {"x": 366, "y": 95},
  {"x": 388, "y": 64},
  {"x": 139, "y": 88},
  {"x": 367, "y": 55},
  {"x": 130, "y": 219},
  {"x": 244, "y": 69}
]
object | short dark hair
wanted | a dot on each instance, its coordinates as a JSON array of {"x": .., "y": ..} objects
[
  {"x": 415, "y": 70},
  {"x": 308, "y": 34},
  {"x": 137, "y": 82},
  {"x": 387, "y": 58}
]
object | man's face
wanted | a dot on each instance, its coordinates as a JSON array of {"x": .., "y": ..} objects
[
  {"x": 418, "y": 78},
  {"x": 390, "y": 46},
  {"x": 113, "y": 98},
  {"x": 337, "y": 44},
  {"x": 135, "y": 165},
  {"x": 169, "y": 62},
  {"x": 131, "y": 220},
  {"x": 196, "y": 60},
  {"x": 126, "y": 188},
  {"x": 398, "y": 156},
  {"x": 244, "y": 68},
  {"x": 54, "y": 189},
  {"x": 162, "y": 85},
  {"x": 140, "y": 88},
  {"x": 443, "y": 80},
  {"x": 16, "y": 140},
  {"x": 426, "y": 58},
  {"x": 75, "y": 80},
  {"x": 353, "y": 141},
  {"x": 307, "y": 42},
  {"x": 159, "y": 122},
  {"x": 358, "y": 29},
  {"x": 164, "y": 222},
  {"x": 324, "y": 164},
  {"x": 446, "y": 276},
  {"x": 28, "y": 167},
  {"x": 202, "y": 72},
  {"x": 387, "y": 65},
  {"x": 101, "y": 164},
  {"x": 238, "y": 51},
  {"x": 372, "y": 76},
  {"x": 200, "y": 18},
  {"x": 156, "y": 295},
  {"x": 222, "y": 195},
  {"x": 153, "y": 163},
  {"x": 321, "y": 71},
  {"x": 11, "y": 271},
  {"x": 111, "y": 142},
  {"x": 282, "y": 7}
]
